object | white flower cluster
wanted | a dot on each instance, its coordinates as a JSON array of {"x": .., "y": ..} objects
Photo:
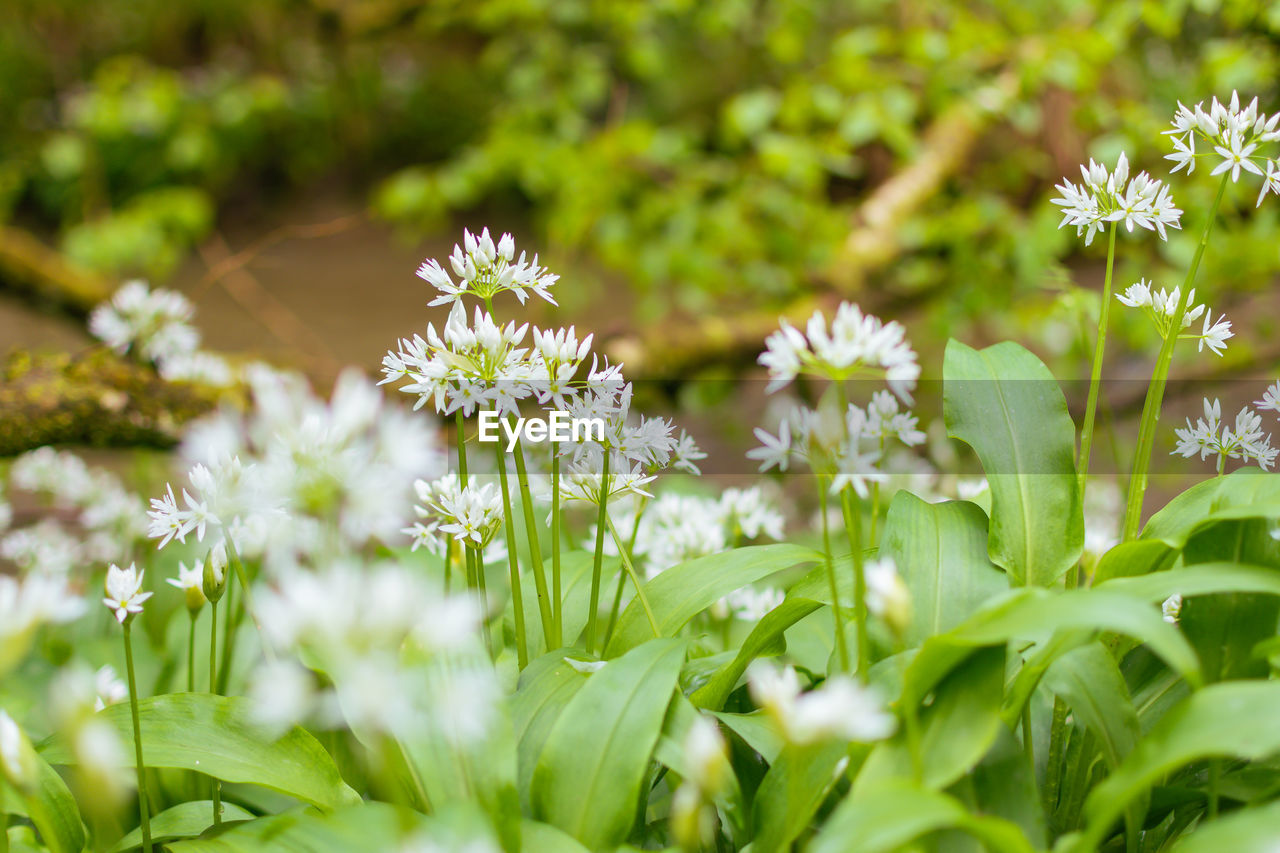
[
  {"x": 676, "y": 528},
  {"x": 1234, "y": 134},
  {"x": 299, "y": 479},
  {"x": 1103, "y": 197},
  {"x": 1210, "y": 437},
  {"x": 848, "y": 448},
  {"x": 155, "y": 325},
  {"x": 857, "y": 346},
  {"x": 470, "y": 514},
  {"x": 486, "y": 269},
  {"x": 840, "y": 709},
  {"x": 107, "y": 517},
  {"x": 398, "y": 658},
  {"x": 1161, "y": 305}
]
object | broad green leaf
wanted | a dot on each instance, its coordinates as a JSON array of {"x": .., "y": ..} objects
[
  {"x": 48, "y": 804},
  {"x": 365, "y": 826},
  {"x": 1003, "y": 786},
  {"x": 682, "y": 592},
  {"x": 545, "y": 688},
  {"x": 795, "y": 786},
  {"x": 956, "y": 729},
  {"x": 1230, "y": 719},
  {"x": 941, "y": 553},
  {"x": 589, "y": 779},
  {"x": 1249, "y": 831},
  {"x": 1198, "y": 579},
  {"x": 768, "y": 633},
  {"x": 185, "y": 820},
  {"x": 1225, "y": 628},
  {"x": 756, "y": 730},
  {"x": 891, "y": 816},
  {"x": 1246, "y": 493},
  {"x": 1132, "y": 559},
  {"x": 1024, "y": 613},
  {"x": 1005, "y": 404},
  {"x": 545, "y": 838},
  {"x": 217, "y": 736},
  {"x": 1089, "y": 681}
]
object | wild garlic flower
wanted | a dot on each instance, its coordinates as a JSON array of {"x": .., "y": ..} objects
[
  {"x": 583, "y": 478},
  {"x": 154, "y": 324},
  {"x": 28, "y": 602},
  {"x": 108, "y": 687},
  {"x": 887, "y": 595},
  {"x": 1161, "y": 305},
  {"x": 1104, "y": 197},
  {"x": 1209, "y": 437},
  {"x": 471, "y": 514},
  {"x": 191, "y": 582},
  {"x": 1270, "y": 398},
  {"x": 705, "y": 755},
  {"x": 840, "y": 709},
  {"x": 857, "y": 345},
  {"x": 1171, "y": 609},
  {"x": 1239, "y": 138},
  {"x": 486, "y": 269},
  {"x": 751, "y": 605},
  {"x": 16, "y": 760},
  {"x": 124, "y": 591}
]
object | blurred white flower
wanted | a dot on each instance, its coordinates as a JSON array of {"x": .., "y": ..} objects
[
  {"x": 109, "y": 688},
  {"x": 839, "y": 709},
  {"x": 1171, "y": 609}
]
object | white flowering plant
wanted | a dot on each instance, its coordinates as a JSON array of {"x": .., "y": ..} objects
[{"x": 361, "y": 628}]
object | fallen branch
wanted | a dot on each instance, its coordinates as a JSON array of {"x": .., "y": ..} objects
[{"x": 31, "y": 267}]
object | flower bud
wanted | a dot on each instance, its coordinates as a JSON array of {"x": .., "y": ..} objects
[{"x": 215, "y": 574}]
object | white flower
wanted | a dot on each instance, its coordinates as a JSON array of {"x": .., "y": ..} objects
[
  {"x": 839, "y": 709},
  {"x": 855, "y": 345},
  {"x": 1103, "y": 198},
  {"x": 773, "y": 452},
  {"x": 152, "y": 323},
  {"x": 109, "y": 688},
  {"x": 1215, "y": 334},
  {"x": 1270, "y": 398},
  {"x": 124, "y": 591},
  {"x": 1161, "y": 306},
  {"x": 1235, "y": 135},
  {"x": 1245, "y": 440},
  {"x": 887, "y": 595},
  {"x": 706, "y": 760},
  {"x": 1171, "y": 609},
  {"x": 14, "y": 760},
  {"x": 751, "y": 605},
  {"x": 485, "y": 270}
]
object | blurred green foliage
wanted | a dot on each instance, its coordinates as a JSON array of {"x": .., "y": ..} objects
[{"x": 707, "y": 153}]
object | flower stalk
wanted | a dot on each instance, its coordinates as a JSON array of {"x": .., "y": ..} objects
[
  {"x": 597, "y": 564},
  {"x": 853, "y": 528},
  {"x": 1095, "y": 374},
  {"x": 144, "y": 807},
  {"x": 1160, "y": 378},
  {"x": 517, "y": 595},
  {"x": 842, "y": 644},
  {"x": 549, "y": 629}
]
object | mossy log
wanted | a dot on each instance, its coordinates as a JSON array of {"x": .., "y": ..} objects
[{"x": 95, "y": 398}]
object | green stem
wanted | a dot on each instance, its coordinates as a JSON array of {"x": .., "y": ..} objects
[
  {"x": 228, "y": 638},
  {"x": 461, "y": 434},
  {"x": 143, "y": 806},
  {"x": 557, "y": 602},
  {"x": 1160, "y": 377},
  {"x": 448, "y": 563},
  {"x": 213, "y": 688},
  {"x": 598, "y": 562},
  {"x": 477, "y": 558},
  {"x": 1057, "y": 752},
  {"x": 911, "y": 719},
  {"x": 246, "y": 592},
  {"x": 853, "y": 527},
  {"x": 635, "y": 579},
  {"x": 191, "y": 654},
  {"x": 622, "y": 578},
  {"x": 517, "y": 595},
  {"x": 549, "y": 630},
  {"x": 1095, "y": 375},
  {"x": 1028, "y": 741},
  {"x": 842, "y": 644}
]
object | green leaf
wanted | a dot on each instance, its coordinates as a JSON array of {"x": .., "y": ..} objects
[
  {"x": 1089, "y": 681},
  {"x": 1005, "y": 404},
  {"x": 184, "y": 820},
  {"x": 217, "y": 736},
  {"x": 1231, "y": 719},
  {"x": 589, "y": 779},
  {"x": 1246, "y": 493},
  {"x": 941, "y": 553},
  {"x": 791, "y": 792},
  {"x": 767, "y": 634},
  {"x": 892, "y": 816},
  {"x": 48, "y": 803},
  {"x": 682, "y": 592},
  {"x": 1248, "y": 831},
  {"x": 1198, "y": 579},
  {"x": 546, "y": 686},
  {"x": 956, "y": 729},
  {"x": 1003, "y": 786},
  {"x": 545, "y": 838},
  {"x": 366, "y": 826},
  {"x": 756, "y": 730}
]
